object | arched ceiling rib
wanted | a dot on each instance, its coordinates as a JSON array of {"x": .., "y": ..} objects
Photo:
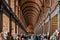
[
  {"x": 30, "y": 10},
  {"x": 30, "y": 2},
  {"x": 33, "y": 11},
  {"x": 37, "y": 9}
]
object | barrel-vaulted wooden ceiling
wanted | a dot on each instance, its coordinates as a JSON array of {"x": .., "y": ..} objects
[{"x": 34, "y": 11}]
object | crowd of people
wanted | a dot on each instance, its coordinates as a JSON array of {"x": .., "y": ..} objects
[
  {"x": 8, "y": 37},
  {"x": 54, "y": 36},
  {"x": 40, "y": 37}
]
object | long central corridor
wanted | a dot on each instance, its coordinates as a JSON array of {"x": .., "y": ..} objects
[{"x": 29, "y": 19}]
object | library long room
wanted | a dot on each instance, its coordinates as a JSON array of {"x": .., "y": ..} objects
[{"x": 29, "y": 19}]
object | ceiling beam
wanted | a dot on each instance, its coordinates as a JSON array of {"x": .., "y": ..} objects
[{"x": 41, "y": 2}]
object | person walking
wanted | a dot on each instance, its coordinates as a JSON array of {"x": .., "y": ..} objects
[
  {"x": 9, "y": 36},
  {"x": 54, "y": 37},
  {"x": 1, "y": 36},
  {"x": 59, "y": 36}
]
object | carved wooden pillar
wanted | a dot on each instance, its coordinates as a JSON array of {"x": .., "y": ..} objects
[
  {"x": 1, "y": 17},
  {"x": 59, "y": 16}
]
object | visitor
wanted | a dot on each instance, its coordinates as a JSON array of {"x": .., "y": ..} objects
[
  {"x": 54, "y": 37},
  {"x": 1, "y": 36},
  {"x": 59, "y": 36},
  {"x": 9, "y": 36}
]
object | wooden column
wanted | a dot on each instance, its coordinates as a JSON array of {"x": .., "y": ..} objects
[
  {"x": 1, "y": 17},
  {"x": 44, "y": 27},
  {"x": 10, "y": 24},
  {"x": 15, "y": 27},
  {"x": 59, "y": 16},
  {"x": 50, "y": 23}
]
